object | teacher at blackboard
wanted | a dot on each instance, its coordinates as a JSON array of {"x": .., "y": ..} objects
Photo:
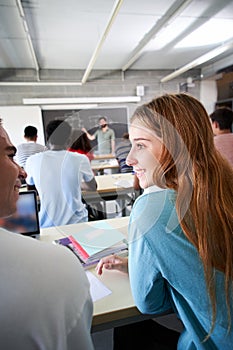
[{"x": 105, "y": 137}]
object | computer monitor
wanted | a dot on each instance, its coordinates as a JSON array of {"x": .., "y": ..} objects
[{"x": 25, "y": 220}]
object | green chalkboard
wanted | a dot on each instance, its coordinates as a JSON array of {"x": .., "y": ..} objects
[{"x": 88, "y": 118}]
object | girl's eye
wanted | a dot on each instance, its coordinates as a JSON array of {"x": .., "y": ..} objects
[{"x": 139, "y": 146}]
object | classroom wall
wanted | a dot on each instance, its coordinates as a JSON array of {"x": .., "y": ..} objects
[
  {"x": 101, "y": 83},
  {"x": 15, "y": 118},
  {"x": 208, "y": 94}
]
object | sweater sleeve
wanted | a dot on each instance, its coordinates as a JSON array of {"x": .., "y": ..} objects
[{"x": 149, "y": 286}]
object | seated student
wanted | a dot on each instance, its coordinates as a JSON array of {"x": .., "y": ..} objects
[
  {"x": 180, "y": 230},
  {"x": 44, "y": 296},
  {"x": 222, "y": 119},
  {"x": 81, "y": 144},
  {"x": 59, "y": 176},
  {"x": 122, "y": 150},
  {"x": 26, "y": 149}
]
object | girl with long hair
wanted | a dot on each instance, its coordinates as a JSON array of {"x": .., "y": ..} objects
[{"x": 181, "y": 227}]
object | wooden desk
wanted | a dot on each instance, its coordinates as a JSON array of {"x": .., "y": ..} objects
[
  {"x": 114, "y": 183},
  {"x": 99, "y": 165},
  {"x": 118, "y": 308},
  {"x": 104, "y": 156},
  {"x": 110, "y": 187}
]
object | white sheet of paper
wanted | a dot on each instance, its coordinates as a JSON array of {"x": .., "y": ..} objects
[
  {"x": 97, "y": 289},
  {"x": 124, "y": 183}
]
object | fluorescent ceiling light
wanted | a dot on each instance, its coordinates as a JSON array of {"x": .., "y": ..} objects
[
  {"x": 113, "y": 15},
  {"x": 27, "y": 33},
  {"x": 77, "y": 106},
  {"x": 82, "y": 100},
  {"x": 214, "y": 31},
  {"x": 38, "y": 83},
  {"x": 168, "y": 34},
  {"x": 200, "y": 60},
  {"x": 176, "y": 8}
]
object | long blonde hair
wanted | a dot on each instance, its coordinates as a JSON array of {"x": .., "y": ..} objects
[{"x": 203, "y": 180}]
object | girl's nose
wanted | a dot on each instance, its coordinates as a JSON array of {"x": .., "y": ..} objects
[{"x": 130, "y": 159}]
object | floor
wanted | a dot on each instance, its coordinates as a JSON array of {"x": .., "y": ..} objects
[{"x": 103, "y": 340}]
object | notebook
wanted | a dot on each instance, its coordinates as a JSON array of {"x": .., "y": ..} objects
[
  {"x": 95, "y": 239},
  {"x": 94, "y": 242},
  {"x": 25, "y": 220}
]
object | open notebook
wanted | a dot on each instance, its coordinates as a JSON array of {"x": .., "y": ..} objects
[{"x": 25, "y": 221}]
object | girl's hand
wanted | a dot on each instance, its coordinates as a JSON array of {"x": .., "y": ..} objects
[{"x": 112, "y": 262}]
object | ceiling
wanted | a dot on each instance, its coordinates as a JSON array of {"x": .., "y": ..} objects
[{"x": 78, "y": 34}]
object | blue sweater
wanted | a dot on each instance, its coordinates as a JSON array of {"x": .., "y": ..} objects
[{"x": 166, "y": 273}]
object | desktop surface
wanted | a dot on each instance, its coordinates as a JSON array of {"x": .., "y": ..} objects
[{"x": 118, "y": 307}]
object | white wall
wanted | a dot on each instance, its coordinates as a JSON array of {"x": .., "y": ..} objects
[
  {"x": 15, "y": 118},
  {"x": 208, "y": 94}
]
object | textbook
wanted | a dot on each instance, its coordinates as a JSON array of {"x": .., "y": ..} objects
[{"x": 94, "y": 242}]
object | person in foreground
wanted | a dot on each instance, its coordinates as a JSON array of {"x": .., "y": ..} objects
[
  {"x": 45, "y": 301},
  {"x": 181, "y": 227}
]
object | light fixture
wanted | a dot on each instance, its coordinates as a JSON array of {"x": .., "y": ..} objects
[
  {"x": 78, "y": 100},
  {"x": 166, "y": 19},
  {"x": 212, "y": 32},
  {"x": 28, "y": 36},
  {"x": 39, "y": 83},
  {"x": 200, "y": 60},
  {"x": 76, "y": 106},
  {"x": 91, "y": 63}
]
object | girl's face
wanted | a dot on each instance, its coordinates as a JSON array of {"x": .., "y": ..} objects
[{"x": 145, "y": 153}]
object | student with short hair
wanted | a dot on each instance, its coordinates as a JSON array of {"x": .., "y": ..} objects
[
  {"x": 122, "y": 150},
  {"x": 30, "y": 147},
  {"x": 222, "y": 119},
  {"x": 45, "y": 300},
  {"x": 81, "y": 144},
  {"x": 105, "y": 137},
  {"x": 59, "y": 177}
]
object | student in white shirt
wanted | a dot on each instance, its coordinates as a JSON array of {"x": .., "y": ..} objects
[
  {"x": 58, "y": 175},
  {"x": 44, "y": 294},
  {"x": 26, "y": 149}
]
